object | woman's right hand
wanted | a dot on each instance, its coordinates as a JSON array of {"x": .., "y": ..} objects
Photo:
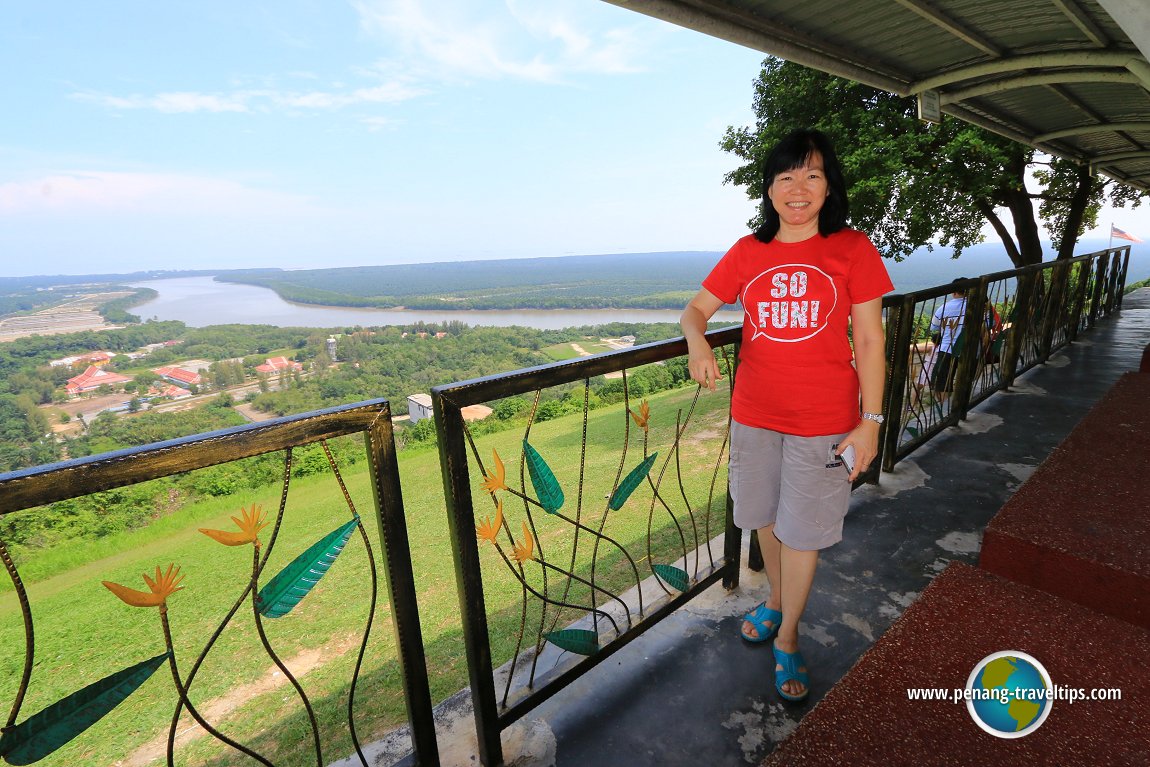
[
  {"x": 702, "y": 365},
  {"x": 701, "y": 362}
]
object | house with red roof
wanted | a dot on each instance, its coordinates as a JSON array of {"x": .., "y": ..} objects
[
  {"x": 99, "y": 359},
  {"x": 179, "y": 376},
  {"x": 277, "y": 364},
  {"x": 171, "y": 391},
  {"x": 93, "y": 378}
]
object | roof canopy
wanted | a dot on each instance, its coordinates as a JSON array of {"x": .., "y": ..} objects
[{"x": 1069, "y": 77}]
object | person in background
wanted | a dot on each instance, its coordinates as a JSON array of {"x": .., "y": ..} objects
[
  {"x": 946, "y": 325},
  {"x": 803, "y": 278}
]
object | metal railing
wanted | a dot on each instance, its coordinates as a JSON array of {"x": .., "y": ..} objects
[
  {"x": 606, "y": 543},
  {"x": 1019, "y": 318},
  {"x": 31, "y": 738}
]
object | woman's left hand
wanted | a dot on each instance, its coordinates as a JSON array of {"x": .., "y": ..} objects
[{"x": 864, "y": 438}]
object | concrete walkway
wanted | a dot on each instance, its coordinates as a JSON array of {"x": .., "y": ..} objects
[{"x": 691, "y": 692}]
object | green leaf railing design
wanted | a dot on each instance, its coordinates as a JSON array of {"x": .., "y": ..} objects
[
  {"x": 44, "y": 732},
  {"x": 581, "y": 641},
  {"x": 675, "y": 577},
  {"x": 547, "y": 488},
  {"x": 539, "y": 488},
  {"x": 291, "y": 584},
  {"x": 630, "y": 482}
]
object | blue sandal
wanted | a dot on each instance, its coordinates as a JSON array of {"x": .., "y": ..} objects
[
  {"x": 760, "y": 617},
  {"x": 791, "y": 662}
]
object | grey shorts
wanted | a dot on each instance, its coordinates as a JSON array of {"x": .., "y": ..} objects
[{"x": 795, "y": 483}]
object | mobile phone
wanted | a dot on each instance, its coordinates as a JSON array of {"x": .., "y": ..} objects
[{"x": 847, "y": 456}]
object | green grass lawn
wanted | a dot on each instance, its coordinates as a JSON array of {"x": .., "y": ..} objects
[
  {"x": 566, "y": 350},
  {"x": 83, "y": 632}
]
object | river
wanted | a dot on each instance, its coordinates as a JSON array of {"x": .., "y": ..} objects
[{"x": 201, "y": 301}]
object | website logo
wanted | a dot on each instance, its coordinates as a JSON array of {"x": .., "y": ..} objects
[{"x": 1009, "y": 694}]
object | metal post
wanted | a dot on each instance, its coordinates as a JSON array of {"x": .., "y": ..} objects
[
  {"x": 1080, "y": 296},
  {"x": 400, "y": 585},
  {"x": 1122, "y": 279},
  {"x": 1099, "y": 284},
  {"x": 1058, "y": 314},
  {"x": 972, "y": 326},
  {"x": 472, "y": 609},
  {"x": 898, "y": 369},
  {"x": 1019, "y": 326}
]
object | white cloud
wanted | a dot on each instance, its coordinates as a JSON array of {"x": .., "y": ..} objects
[
  {"x": 108, "y": 192},
  {"x": 391, "y": 92},
  {"x": 387, "y": 93},
  {"x": 535, "y": 40},
  {"x": 376, "y": 124},
  {"x": 171, "y": 103}
]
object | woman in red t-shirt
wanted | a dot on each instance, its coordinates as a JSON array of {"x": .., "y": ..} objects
[{"x": 802, "y": 396}]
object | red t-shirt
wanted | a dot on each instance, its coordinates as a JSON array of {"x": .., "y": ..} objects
[{"x": 795, "y": 368}]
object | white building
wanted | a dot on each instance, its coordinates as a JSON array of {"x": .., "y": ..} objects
[{"x": 419, "y": 407}]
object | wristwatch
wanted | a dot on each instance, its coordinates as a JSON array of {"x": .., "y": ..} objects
[{"x": 876, "y": 417}]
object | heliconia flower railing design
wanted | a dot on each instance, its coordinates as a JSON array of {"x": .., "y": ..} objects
[
  {"x": 45, "y": 732},
  {"x": 550, "y": 498},
  {"x": 59, "y": 723}
]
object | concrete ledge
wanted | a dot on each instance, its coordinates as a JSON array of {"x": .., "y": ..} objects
[
  {"x": 963, "y": 616},
  {"x": 1079, "y": 527}
]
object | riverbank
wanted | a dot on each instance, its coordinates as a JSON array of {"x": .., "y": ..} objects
[
  {"x": 75, "y": 316},
  {"x": 202, "y": 301}
]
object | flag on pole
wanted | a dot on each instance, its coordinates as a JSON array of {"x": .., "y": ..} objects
[{"x": 1116, "y": 232}]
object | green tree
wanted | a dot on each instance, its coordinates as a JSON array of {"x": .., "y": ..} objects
[
  {"x": 25, "y": 436},
  {"x": 912, "y": 184},
  {"x": 141, "y": 382}
]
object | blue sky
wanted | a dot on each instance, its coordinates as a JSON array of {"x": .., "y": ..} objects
[{"x": 303, "y": 133}]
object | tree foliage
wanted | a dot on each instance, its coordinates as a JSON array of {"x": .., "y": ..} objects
[{"x": 912, "y": 184}]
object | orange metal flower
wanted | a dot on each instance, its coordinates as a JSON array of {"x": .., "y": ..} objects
[
  {"x": 161, "y": 588},
  {"x": 525, "y": 549},
  {"x": 496, "y": 480},
  {"x": 488, "y": 530},
  {"x": 642, "y": 416},
  {"x": 253, "y": 521}
]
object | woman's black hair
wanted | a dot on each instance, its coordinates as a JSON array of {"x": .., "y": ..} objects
[{"x": 790, "y": 153}]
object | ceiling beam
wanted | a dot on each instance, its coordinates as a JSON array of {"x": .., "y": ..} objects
[
  {"x": 1085, "y": 24},
  {"x": 1104, "y": 159},
  {"x": 1045, "y": 78},
  {"x": 1141, "y": 184},
  {"x": 1047, "y": 60},
  {"x": 1082, "y": 130},
  {"x": 952, "y": 26},
  {"x": 762, "y": 34},
  {"x": 1003, "y": 127}
]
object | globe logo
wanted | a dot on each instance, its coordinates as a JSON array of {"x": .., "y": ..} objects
[{"x": 1009, "y": 694}]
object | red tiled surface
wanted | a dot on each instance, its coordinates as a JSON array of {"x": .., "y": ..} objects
[
  {"x": 1080, "y": 526},
  {"x": 963, "y": 616}
]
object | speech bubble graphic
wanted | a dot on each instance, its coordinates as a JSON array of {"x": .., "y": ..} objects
[{"x": 789, "y": 302}]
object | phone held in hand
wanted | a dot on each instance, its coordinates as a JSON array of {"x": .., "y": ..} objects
[{"x": 848, "y": 458}]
